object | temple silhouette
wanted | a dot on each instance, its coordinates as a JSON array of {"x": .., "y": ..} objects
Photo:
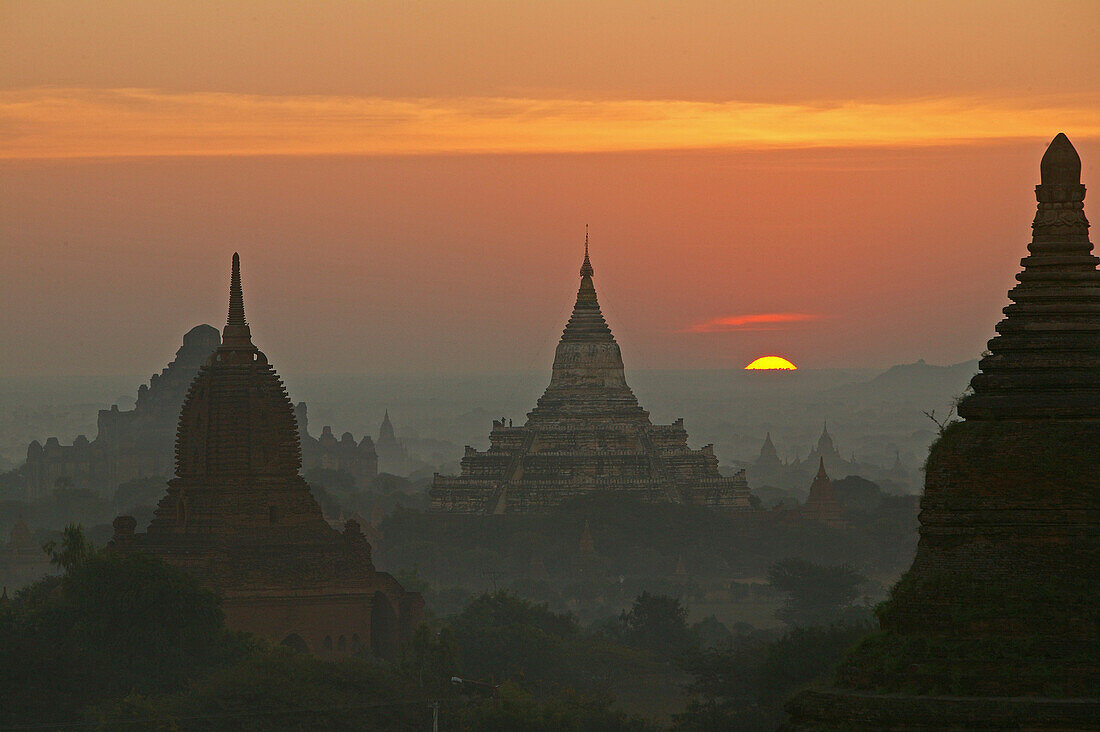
[
  {"x": 769, "y": 471},
  {"x": 586, "y": 434},
  {"x": 358, "y": 459},
  {"x": 997, "y": 623},
  {"x": 130, "y": 444},
  {"x": 822, "y": 505},
  {"x": 139, "y": 443},
  {"x": 240, "y": 517}
]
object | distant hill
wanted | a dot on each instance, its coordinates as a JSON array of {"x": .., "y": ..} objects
[
  {"x": 918, "y": 384},
  {"x": 924, "y": 376}
]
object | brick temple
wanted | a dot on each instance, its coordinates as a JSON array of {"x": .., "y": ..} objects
[
  {"x": 586, "y": 434},
  {"x": 821, "y": 504},
  {"x": 997, "y": 623},
  {"x": 240, "y": 517}
]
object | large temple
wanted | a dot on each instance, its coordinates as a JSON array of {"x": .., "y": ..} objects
[
  {"x": 129, "y": 444},
  {"x": 240, "y": 517},
  {"x": 586, "y": 434},
  {"x": 997, "y": 623}
]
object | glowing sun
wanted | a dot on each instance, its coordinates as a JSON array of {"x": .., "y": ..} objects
[{"x": 771, "y": 362}]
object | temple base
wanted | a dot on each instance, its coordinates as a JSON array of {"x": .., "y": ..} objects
[{"x": 817, "y": 709}]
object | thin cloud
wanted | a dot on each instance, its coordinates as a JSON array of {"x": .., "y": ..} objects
[
  {"x": 756, "y": 322},
  {"x": 68, "y": 123}
]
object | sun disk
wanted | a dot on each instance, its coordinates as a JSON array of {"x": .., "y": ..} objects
[{"x": 771, "y": 363}]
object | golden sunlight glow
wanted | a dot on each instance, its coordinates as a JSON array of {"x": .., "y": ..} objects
[
  {"x": 83, "y": 122},
  {"x": 771, "y": 363}
]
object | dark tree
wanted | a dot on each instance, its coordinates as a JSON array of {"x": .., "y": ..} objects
[
  {"x": 657, "y": 623},
  {"x": 815, "y": 594}
]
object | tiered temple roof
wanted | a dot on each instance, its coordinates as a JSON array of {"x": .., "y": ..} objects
[
  {"x": 1045, "y": 360},
  {"x": 587, "y": 433},
  {"x": 997, "y": 623},
  {"x": 240, "y": 517}
]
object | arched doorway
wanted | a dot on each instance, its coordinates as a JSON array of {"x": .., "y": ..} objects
[
  {"x": 383, "y": 627},
  {"x": 295, "y": 642}
]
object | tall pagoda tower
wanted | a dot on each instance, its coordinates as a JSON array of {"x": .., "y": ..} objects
[
  {"x": 240, "y": 517},
  {"x": 997, "y": 623},
  {"x": 586, "y": 434}
]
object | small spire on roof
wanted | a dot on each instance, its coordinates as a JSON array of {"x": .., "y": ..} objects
[
  {"x": 586, "y": 268},
  {"x": 236, "y": 333},
  {"x": 236, "y": 295}
]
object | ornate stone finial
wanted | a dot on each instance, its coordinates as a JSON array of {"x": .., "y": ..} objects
[
  {"x": 236, "y": 333},
  {"x": 1060, "y": 195},
  {"x": 1061, "y": 165},
  {"x": 586, "y": 268}
]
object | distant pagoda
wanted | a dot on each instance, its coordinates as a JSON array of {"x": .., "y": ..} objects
[
  {"x": 997, "y": 623},
  {"x": 586, "y": 434},
  {"x": 240, "y": 517},
  {"x": 822, "y": 505}
]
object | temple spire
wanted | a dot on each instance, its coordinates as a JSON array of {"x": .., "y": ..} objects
[
  {"x": 587, "y": 321},
  {"x": 386, "y": 432},
  {"x": 586, "y": 267},
  {"x": 1041, "y": 364},
  {"x": 236, "y": 333}
]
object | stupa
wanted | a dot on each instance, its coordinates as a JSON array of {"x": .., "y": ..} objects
[
  {"x": 586, "y": 434},
  {"x": 997, "y": 623},
  {"x": 822, "y": 505},
  {"x": 240, "y": 517}
]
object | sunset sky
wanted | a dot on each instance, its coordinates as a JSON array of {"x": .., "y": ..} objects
[{"x": 844, "y": 184}]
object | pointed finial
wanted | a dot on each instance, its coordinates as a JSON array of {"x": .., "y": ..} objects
[
  {"x": 821, "y": 469},
  {"x": 586, "y": 268},
  {"x": 236, "y": 332},
  {"x": 1061, "y": 165},
  {"x": 386, "y": 432},
  {"x": 236, "y": 295}
]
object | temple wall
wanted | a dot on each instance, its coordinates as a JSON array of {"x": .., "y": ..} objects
[
  {"x": 1004, "y": 501},
  {"x": 329, "y": 625}
]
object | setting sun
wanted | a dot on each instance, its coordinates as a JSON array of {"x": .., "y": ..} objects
[{"x": 772, "y": 363}]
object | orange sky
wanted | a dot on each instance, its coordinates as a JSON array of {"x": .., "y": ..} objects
[{"x": 408, "y": 183}]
